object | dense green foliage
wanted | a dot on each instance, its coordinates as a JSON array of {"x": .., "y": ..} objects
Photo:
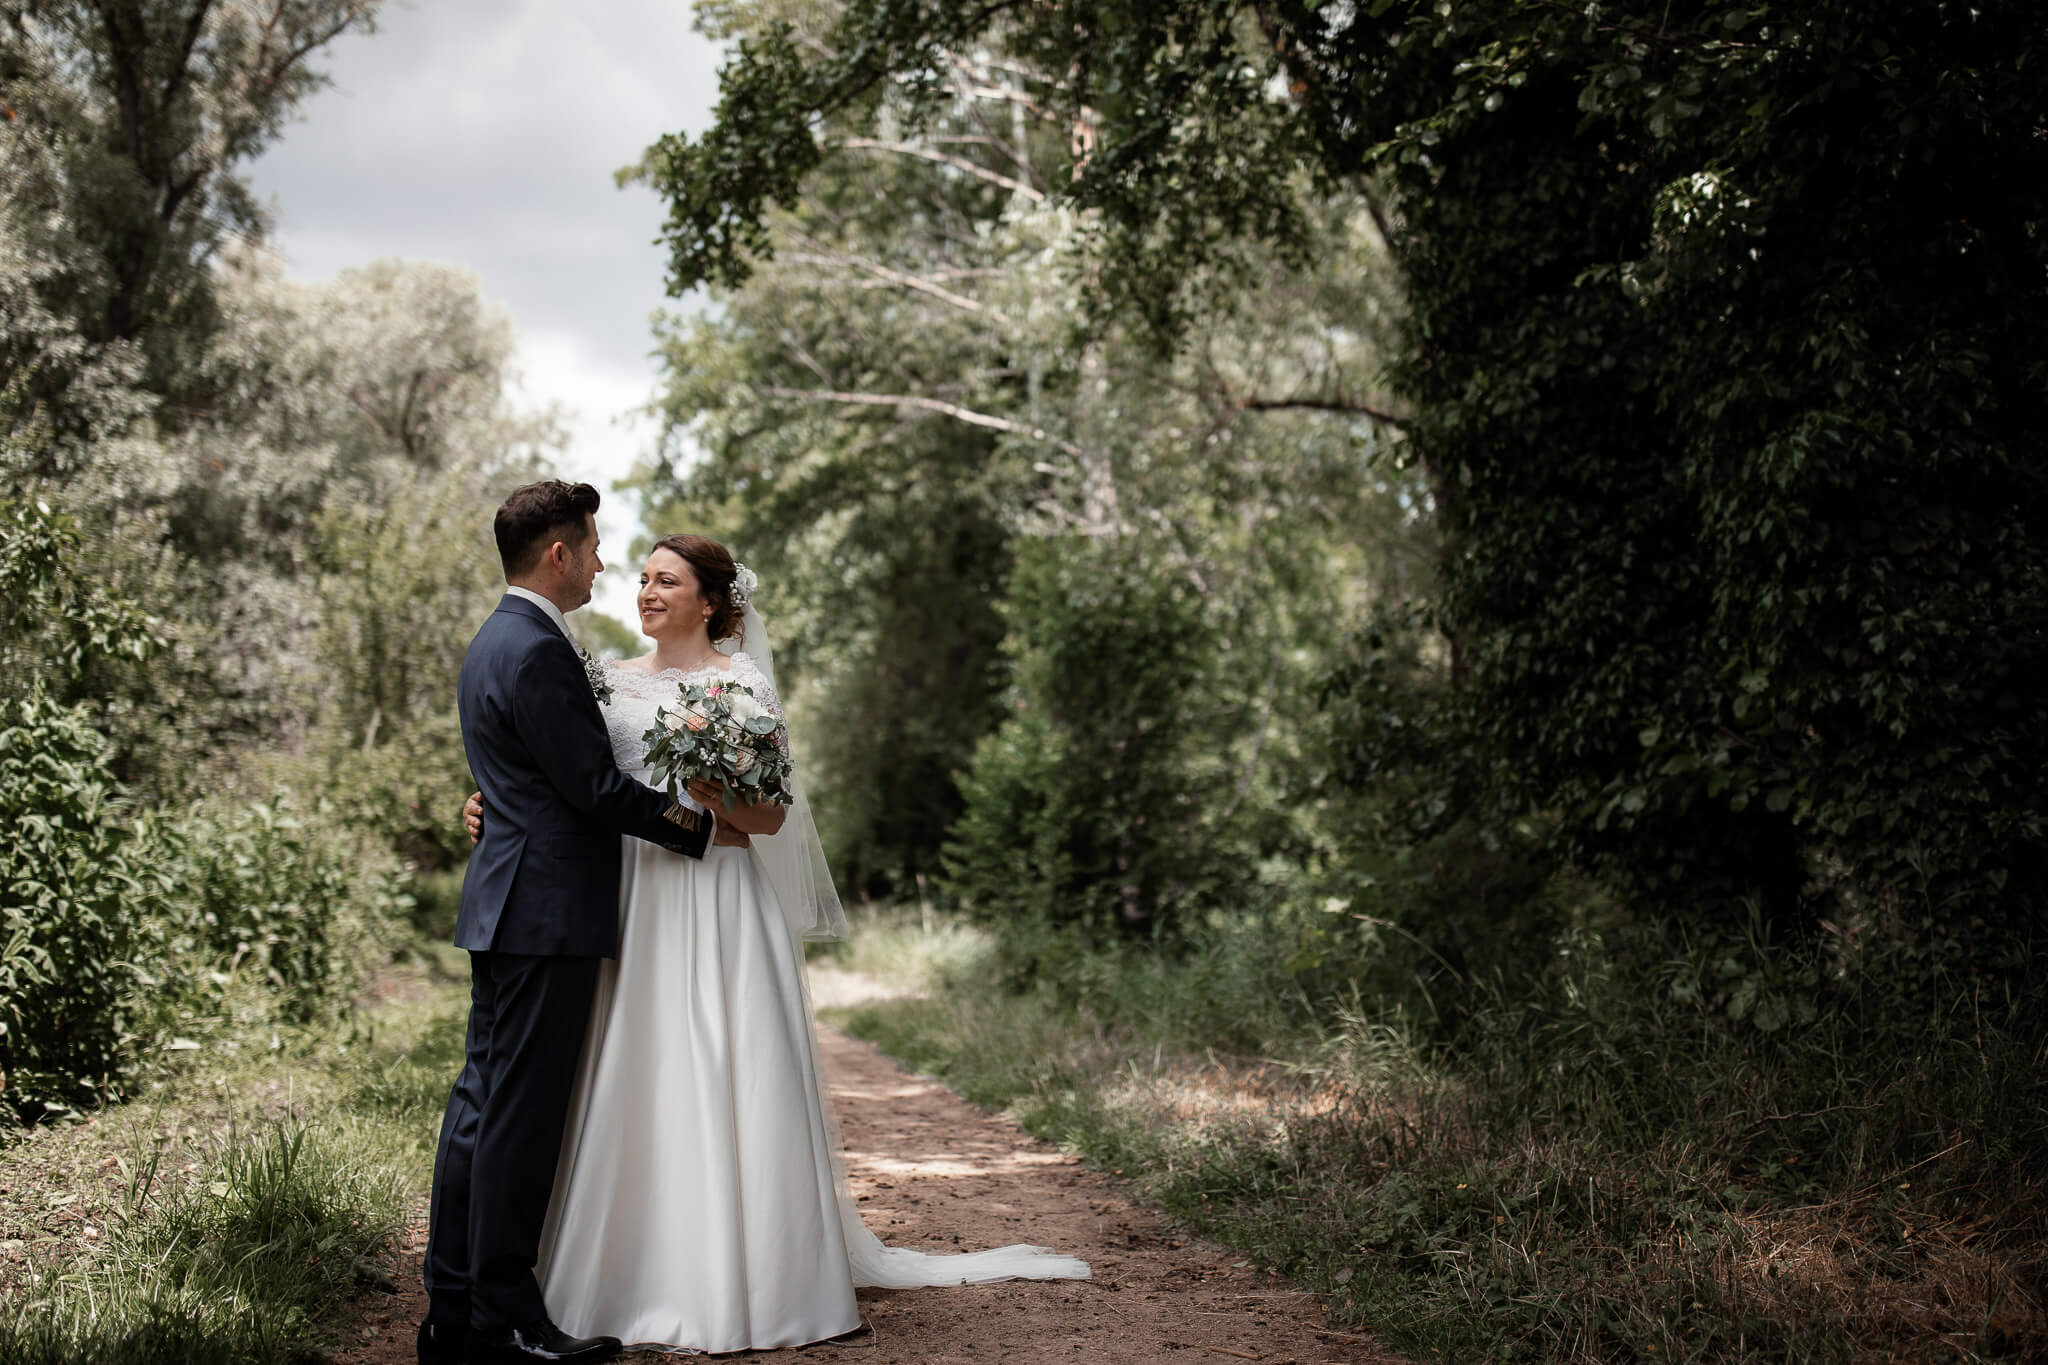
[
  {"x": 124, "y": 926},
  {"x": 78, "y": 882},
  {"x": 288, "y": 895},
  {"x": 58, "y": 623},
  {"x": 1718, "y": 350},
  {"x": 1579, "y": 463},
  {"x": 1743, "y": 417},
  {"x": 1080, "y": 810},
  {"x": 900, "y": 426},
  {"x": 244, "y": 537}
]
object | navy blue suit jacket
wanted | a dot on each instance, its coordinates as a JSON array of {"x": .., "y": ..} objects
[{"x": 544, "y": 879}]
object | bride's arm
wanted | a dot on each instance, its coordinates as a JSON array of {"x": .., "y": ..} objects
[
  {"x": 763, "y": 818},
  {"x": 732, "y": 807}
]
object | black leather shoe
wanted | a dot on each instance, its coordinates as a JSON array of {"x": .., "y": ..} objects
[
  {"x": 441, "y": 1344},
  {"x": 541, "y": 1342}
]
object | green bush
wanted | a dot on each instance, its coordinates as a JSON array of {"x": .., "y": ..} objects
[
  {"x": 288, "y": 894},
  {"x": 57, "y": 619},
  {"x": 115, "y": 922},
  {"x": 436, "y": 904},
  {"x": 1086, "y": 807},
  {"x": 1429, "y": 886},
  {"x": 406, "y": 792},
  {"x": 81, "y": 883}
]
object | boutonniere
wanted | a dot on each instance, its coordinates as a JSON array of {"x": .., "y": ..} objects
[{"x": 593, "y": 669}]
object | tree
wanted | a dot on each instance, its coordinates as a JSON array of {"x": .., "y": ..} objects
[
  {"x": 346, "y": 389},
  {"x": 341, "y": 489},
  {"x": 1094, "y": 805},
  {"x": 899, "y": 402},
  {"x": 1720, "y": 358},
  {"x": 242, "y": 544},
  {"x": 125, "y": 124}
]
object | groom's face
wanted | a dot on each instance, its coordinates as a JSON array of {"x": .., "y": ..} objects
[{"x": 584, "y": 566}]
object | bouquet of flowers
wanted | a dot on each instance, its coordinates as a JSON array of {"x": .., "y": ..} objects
[{"x": 718, "y": 729}]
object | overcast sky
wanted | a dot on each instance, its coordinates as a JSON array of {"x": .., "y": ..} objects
[{"x": 484, "y": 134}]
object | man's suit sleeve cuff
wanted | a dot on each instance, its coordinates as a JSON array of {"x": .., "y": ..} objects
[{"x": 680, "y": 814}]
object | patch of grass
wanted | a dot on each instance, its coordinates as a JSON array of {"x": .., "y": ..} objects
[
  {"x": 1600, "y": 1171},
  {"x": 244, "y": 1266},
  {"x": 229, "y": 1216},
  {"x": 905, "y": 950}
]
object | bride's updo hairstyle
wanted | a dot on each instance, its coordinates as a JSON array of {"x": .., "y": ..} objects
[{"x": 715, "y": 570}]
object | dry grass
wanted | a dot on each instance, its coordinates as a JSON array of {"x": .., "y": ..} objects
[
  {"x": 1473, "y": 1213},
  {"x": 1899, "y": 1292}
]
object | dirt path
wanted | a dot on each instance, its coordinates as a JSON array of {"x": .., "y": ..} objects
[{"x": 933, "y": 1171}]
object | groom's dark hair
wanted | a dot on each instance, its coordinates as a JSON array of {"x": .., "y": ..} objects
[{"x": 535, "y": 517}]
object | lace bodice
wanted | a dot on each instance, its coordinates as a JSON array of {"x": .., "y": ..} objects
[{"x": 637, "y": 694}]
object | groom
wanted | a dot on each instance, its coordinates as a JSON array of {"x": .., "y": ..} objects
[{"x": 540, "y": 907}]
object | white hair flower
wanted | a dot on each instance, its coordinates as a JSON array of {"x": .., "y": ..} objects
[{"x": 744, "y": 581}]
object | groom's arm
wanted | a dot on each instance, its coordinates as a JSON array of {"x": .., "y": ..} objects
[
  {"x": 557, "y": 719},
  {"x": 473, "y": 821}
]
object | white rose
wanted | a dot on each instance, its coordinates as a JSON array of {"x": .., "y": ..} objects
[
  {"x": 745, "y": 708},
  {"x": 672, "y": 719}
]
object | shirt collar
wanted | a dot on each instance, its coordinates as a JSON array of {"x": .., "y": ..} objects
[{"x": 554, "y": 612}]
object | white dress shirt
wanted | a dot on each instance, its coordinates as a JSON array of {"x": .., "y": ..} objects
[{"x": 554, "y": 612}]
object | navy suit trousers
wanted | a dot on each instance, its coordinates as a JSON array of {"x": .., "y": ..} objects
[{"x": 520, "y": 1064}]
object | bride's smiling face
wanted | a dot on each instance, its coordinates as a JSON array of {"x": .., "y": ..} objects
[{"x": 670, "y": 604}]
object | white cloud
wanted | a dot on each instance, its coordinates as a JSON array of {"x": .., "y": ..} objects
[{"x": 485, "y": 133}]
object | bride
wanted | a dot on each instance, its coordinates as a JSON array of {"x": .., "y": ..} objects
[{"x": 699, "y": 1204}]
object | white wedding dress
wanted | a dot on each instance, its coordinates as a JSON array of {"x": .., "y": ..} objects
[{"x": 698, "y": 1205}]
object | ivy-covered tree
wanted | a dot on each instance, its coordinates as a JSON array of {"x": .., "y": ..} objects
[{"x": 1721, "y": 355}]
